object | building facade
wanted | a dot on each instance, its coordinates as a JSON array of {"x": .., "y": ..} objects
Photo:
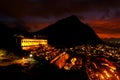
[{"x": 27, "y": 43}]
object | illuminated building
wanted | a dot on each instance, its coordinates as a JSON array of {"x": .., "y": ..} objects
[{"x": 27, "y": 43}]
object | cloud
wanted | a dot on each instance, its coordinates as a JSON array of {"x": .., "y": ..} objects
[
  {"x": 106, "y": 35},
  {"x": 47, "y": 8},
  {"x": 102, "y": 15}
]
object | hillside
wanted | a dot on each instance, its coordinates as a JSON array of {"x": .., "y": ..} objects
[{"x": 70, "y": 32}]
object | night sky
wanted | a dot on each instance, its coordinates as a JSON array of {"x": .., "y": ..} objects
[{"x": 102, "y": 15}]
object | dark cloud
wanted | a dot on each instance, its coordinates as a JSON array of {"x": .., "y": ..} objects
[
  {"x": 117, "y": 14},
  {"x": 46, "y": 12},
  {"x": 45, "y": 8}
]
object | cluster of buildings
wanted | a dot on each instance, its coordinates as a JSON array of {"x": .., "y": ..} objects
[
  {"x": 66, "y": 58},
  {"x": 70, "y": 58},
  {"x": 58, "y": 57}
]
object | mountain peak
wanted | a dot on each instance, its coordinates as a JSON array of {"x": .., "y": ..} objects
[
  {"x": 70, "y": 32},
  {"x": 73, "y": 17}
]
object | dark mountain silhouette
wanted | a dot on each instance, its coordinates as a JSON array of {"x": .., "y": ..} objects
[
  {"x": 8, "y": 38},
  {"x": 70, "y": 32}
]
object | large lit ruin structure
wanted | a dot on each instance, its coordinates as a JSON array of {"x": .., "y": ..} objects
[{"x": 31, "y": 43}]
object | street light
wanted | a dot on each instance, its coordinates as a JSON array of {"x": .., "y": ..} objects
[{"x": 31, "y": 55}]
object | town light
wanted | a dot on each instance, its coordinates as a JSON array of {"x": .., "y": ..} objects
[{"x": 30, "y": 55}]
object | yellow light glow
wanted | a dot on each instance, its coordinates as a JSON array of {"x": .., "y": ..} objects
[
  {"x": 31, "y": 55},
  {"x": 61, "y": 62},
  {"x": 112, "y": 67},
  {"x": 28, "y": 43},
  {"x": 73, "y": 60},
  {"x": 94, "y": 65},
  {"x": 106, "y": 73},
  {"x": 112, "y": 70},
  {"x": 101, "y": 76},
  {"x": 23, "y": 58},
  {"x": 97, "y": 74}
]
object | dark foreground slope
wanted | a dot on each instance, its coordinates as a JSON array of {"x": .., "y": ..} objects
[
  {"x": 69, "y": 32},
  {"x": 44, "y": 72}
]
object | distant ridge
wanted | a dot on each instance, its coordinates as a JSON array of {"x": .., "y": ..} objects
[
  {"x": 7, "y": 38},
  {"x": 70, "y": 32}
]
